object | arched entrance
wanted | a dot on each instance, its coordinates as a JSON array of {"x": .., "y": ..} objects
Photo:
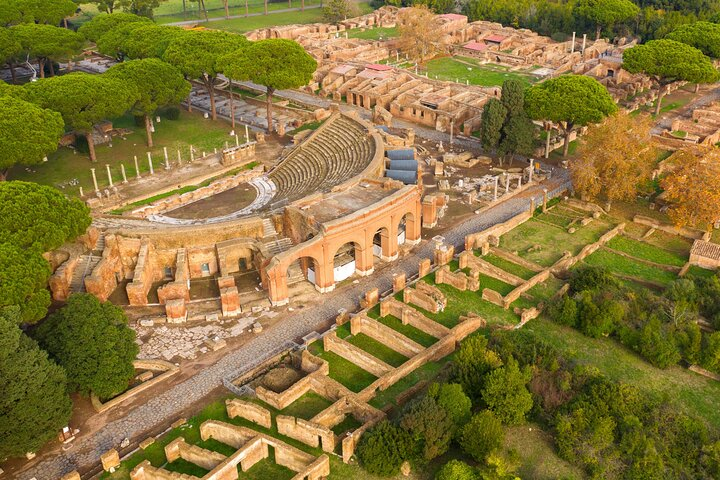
[
  {"x": 408, "y": 230},
  {"x": 346, "y": 260},
  {"x": 383, "y": 245}
]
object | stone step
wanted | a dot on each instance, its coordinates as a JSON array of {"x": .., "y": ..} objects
[
  {"x": 84, "y": 268},
  {"x": 269, "y": 228},
  {"x": 279, "y": 246}
]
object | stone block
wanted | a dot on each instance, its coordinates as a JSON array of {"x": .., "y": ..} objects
[
  {"x": 147, "y": 442},
  {"x": 176, "y": 310},
  {"x": 257, "y": 327},
  {"x": 178, "y": 423},
  {"x": 230, "y": 301},
  {"x": 399, "y": 281},
  {"x": 146, "y": 322},
  {"x": 215, "y": 344},
  {"x": 371, "y": 298},
  {"x": 492, "y": 296},
  {"x": 74, "y": 475},
  {"x": 110, "y": 460},
  {"x": 443, "y": 254},
  {"x": 144, "y": 376},
  {"x": 424, "y": 267}
]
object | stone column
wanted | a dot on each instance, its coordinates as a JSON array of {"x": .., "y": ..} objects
[
  {"x": 122, "y": 169},
  {"x": 544, "y": 206},
  {"x": 192, "y": 154},
  {"x": 152, "y": 171},
  {"x": 584, "y": 42},
  {"x": 237, "y": 140},
  {"x": 532, "y": 170},
  {"x": 167, "y": 162},
  {"x": 92, "y": 170},
  {"x": 519, "y": 181},
  {"x": 107, "y": 167},
  {"x": 247, "y": 134},
  {"x": 572, "y": 47},
  {"x": 81, "y": 192},
  {"x": 497, "y": 178},
  {"x": 137, "y": 168},
  {"x": 507, "y": 183},
  {"x": 179, "y": 158}
]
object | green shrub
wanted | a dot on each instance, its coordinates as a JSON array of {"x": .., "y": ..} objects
[
  {"x": 471, "y": 363},
  {"x": 384, "y": 448},
  {"x": 139, "y": 120},
  {"x": 456, "y": 470},
  {"x": 656, "y": 347},
  {"x": 564, "y": 311},
  {"x": 506, "y": 394},
  {"x": 483, "y": 434},
  {"x": 430, "y": 427},
  {"x": 592, "y": 278},
  {"x": 452, "y": 399}
]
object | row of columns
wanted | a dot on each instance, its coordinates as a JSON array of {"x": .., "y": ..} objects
[
  {"x": 151, "y": 166},
  {"x": 572, "y": 45}
]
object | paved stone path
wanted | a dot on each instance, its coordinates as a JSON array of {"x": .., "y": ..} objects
[{"x": 166, "y": 406}]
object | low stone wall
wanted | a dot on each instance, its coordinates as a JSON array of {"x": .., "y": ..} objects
[
  {"x": 568, "y": 261},
  {"x": 690, "y": 233},
  {"x": 384, "y": 334},
  {"x": 468, "y": 259},
  {"x": 307, "y": 432},
  {"x": 103, "y": 280},
  {"x": 356, "y": 355},
  {"x": 249, "y": 411},
  {"x": 475, "y": 240},
  {"x": 517, "y": 259},
  {"x": 412, "y": 296},
  {"x": 145, "y": 471},
  {"x": 138, "y": 289},
  {"x": 168, "y": 369},
  {"x": 218, "y": 186},
  {"x": 203, "y": 458},
  {"x": 515, "y": 294},
  {"x": 457, "y": 280},
  {"x": 442, "y": 348},
  {"x": 409, "y": 316},
  {"x": 60, "y": 280}
]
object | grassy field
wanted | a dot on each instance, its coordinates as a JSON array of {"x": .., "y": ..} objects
[
  {"x": 379, "y": 33},
  {"x": 343, "y": 370},
  {"x": 242, "y": 25},
  {"x": 66, "y": 165},
  {"x": 307, "y": 406},
  {"x": 463, "y": 69},
  {"x": 692, "y": 393},
  {"x": 646, "y": 251},
  {"x": 508, "y": 266},
  {"x": 552, "y": 241},
  {"x": 409, "y": 331},
  {"x": 378, "y": 350},
  {"x": 538, "y": 459},
  {"x": 626, "y": 266}
]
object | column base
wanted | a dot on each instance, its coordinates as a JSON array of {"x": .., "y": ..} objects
[
  {"x": 364, "y": 273},
  {"x": 280, "y": 303},
  {"x": 413, "y": 242},
  {"x": 390, "y": 258},
  {"x": 325, "y": 289},
  {"x": 429, "y": 225},
  {"x": 232, "y": 313}
]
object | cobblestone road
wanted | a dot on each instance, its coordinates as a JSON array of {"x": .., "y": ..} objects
[{"x": 167, "y": 406}]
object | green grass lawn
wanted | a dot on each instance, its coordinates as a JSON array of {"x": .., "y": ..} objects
[
  {"x": 538, "y": 458},
  {"x": 307, "y": 406},
  {"x": 552, "y": 241},
  {"x": 348, "y": 424},
  {"x": 646, "y": 251},
  {"x": 379, "y": 33},
  {"x": 65, "y": 165},
  {"x": 378, "y": 350},
  {"x": 242, "y": 25},
  {"x": 508, "y": 266},
  {"x": 542, "y": 292},
  {"x": 696, "y": 271},
  {"x": 343, "y": 370},
  {"x": 464, "y": 69},
  {"x": 414, "y": 334},
  {"x": 625, "y": 266},
  {"x": 460, "y": 303},
  {"x": 692, "y": 393},
  {"x": 171, "y": 10}
]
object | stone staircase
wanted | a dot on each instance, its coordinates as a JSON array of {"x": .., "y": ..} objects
[
  {"x": 269, "y": 228},
  {"x": 84, "y": 268},
  {"x": 279, "y": 245}
]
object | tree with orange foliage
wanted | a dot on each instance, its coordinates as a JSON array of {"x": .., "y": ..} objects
[
  {"x": 419, "y": 33},
  {"x": 615, "y": 158},
  {"x": 692, "y": 187}
]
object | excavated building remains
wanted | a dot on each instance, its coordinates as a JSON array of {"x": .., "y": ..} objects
[{"x": 329, "y": 212}]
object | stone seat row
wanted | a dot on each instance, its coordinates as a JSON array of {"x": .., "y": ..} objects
[{"x": 341, "y": 150}]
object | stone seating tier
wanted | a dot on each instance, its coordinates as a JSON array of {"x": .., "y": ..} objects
[{"x": 340, "y": 151}]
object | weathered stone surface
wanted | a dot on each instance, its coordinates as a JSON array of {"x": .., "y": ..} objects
[{"x": 110, "y": 460}]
